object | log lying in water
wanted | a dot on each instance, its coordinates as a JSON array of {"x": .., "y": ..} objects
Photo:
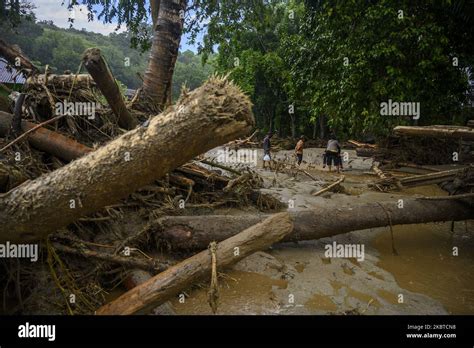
[
  {"x": 99, "y": 70},
  {"x": 465, "y": 133},
  {"x": 196, "y": 232},
  {"x": 45, "y": 140},
  {"x": 209, "y": 116},
  {"x": 165, "y": 285}
]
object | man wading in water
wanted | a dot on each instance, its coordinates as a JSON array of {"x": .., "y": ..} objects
[{"x": 266, "y": 150}]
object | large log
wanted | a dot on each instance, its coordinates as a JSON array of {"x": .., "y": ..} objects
[
  {"x": 434, "y": 178},
  {"x": 99, "y": 70},
  {"x": 465, "y": 133},
  {"x": 196, "y": 232},
  {"x": 45, "y": 140},
  {"x": 165, "y": 285},
  {"x": 207, "y": 117},
  {"x": 60, "y": 82}
]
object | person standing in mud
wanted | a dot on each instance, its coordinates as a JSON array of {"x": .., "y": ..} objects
[
  {"x": 299, "y": 150},
  {"x": 267, "y": 157},
  {"x": 332, "y": 154}
]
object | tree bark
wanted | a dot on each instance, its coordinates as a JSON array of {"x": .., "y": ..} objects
[
  {"x": 196, "y": 232},
  {"x": 99, "y": 70},
  {"x": 45, "y": 140},
  {"x": 209, "y": 116},
  {"x": 165, "y": 285},
  {"x": 64, "y": 82},
  {"x": 465, "y": 133},
  {"x": 164, "y": 52}
]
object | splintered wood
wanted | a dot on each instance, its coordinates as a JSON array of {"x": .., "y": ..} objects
[{"x": 209, "y": 116}]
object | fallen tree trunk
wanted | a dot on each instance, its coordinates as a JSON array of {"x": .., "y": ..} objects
[
  {"x": 432, "y": 178},
  {"x": 207, "y": 117},
  {"x": 196, "y": 232},
  {"x": 329, "y": 187},
  {"x": 165, "y": 285},
  {"x": 99, "y": 70},
  {"x": 465, "y": 133},
  {"x": 45, "y": 140},
  {"x": 79, "y": 81},
  {"x": 127, "y": 261}
]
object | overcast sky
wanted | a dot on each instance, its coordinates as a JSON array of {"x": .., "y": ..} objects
[{"x": 52, "y": 10}]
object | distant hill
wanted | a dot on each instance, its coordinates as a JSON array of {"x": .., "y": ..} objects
[{"x": 44, "y": 43}]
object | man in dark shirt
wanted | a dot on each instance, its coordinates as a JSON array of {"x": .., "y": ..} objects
[{"x": 267, "y": 157}]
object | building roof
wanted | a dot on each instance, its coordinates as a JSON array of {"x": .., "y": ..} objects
[{"x": 9, "y": 74}]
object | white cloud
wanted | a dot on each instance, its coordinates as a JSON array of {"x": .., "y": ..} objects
[{"x": 51, "y": 10}]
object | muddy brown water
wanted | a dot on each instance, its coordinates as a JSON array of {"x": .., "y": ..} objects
[
  {"x": 425, "y": 264},
  {"x": 425, "y": 269}
]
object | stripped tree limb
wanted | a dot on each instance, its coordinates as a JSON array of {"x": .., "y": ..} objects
[
  {"x": 165, "y": 285},
  {"x": 151, "y": 265},
  {"x": 207, "y": 117}
]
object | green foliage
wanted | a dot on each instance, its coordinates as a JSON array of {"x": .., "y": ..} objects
[
  {"x": 13, "y": 13},
  {"x": 404, "y": 56}
]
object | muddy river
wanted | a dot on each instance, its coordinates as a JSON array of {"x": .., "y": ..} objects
[{"x": 426, "y": 276}]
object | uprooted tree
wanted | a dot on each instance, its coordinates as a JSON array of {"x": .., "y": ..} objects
[{"x": 205, "y": 118}]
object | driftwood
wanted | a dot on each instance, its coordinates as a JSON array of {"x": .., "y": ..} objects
[
  {"x": 465, "y": 133},
  {"x": 432, "y": 178},
  {"x": 329, "y": 187},
  {"x": 221, "y": 166},
  {"x": 410, "y": 165},
  {"x": 196, "y": 232},
  {"x": 95, "y": 64},
  {"x": 43, "y": 139},
  {"x": 235, "y": 144},
  {"x": 127, "y": 261},
  {"x": 207, "y": 117},
  {"x": 359, "y": 144},
  {"x": 65, "y": 82},
  {"x": 165, "y": 285}
]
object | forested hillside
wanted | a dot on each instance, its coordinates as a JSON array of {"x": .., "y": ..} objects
[{"x": 44, "y": 43}]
